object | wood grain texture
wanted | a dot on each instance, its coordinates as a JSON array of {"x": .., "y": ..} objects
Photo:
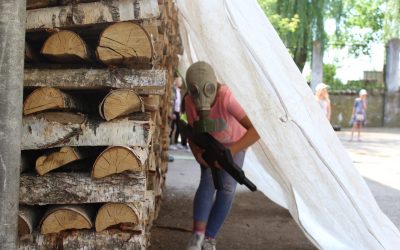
[
  {"x": 91, "y": 13},
  {"x": 116, "y": 159},
  {"x": 87, "y": 239},
  {"x": 75, "y": 188},
  {"x": 66, "y": 217},
  {"x": 112, "y": 214},
  {"x": 126, "y": 44},
  {"x": 66, "y": 46},
  {"x": 120, "y": 102},
  {"x": 129, "y": 131},
  {"x": 142, "y": 81},
  {"x": 47, "y": 98}
]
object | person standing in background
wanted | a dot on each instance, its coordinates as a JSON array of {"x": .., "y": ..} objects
[
  {"x": 322, "y": 97},
  {"x": 176, "y": 116},
  {"x": 359, "y": 113}
]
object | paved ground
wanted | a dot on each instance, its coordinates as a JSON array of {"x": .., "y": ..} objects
[{"x": 257, "y": 223}]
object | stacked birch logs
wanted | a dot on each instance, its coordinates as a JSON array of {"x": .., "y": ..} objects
[{"x": 97, "y": 99}]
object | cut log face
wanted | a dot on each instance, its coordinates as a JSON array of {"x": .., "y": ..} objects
[
  {"x": 46, "y": 163},
  {"x": 120, "y": 102},
  {"x": 23, "y": 227},
  {"x": 65, "y": 47},
  {"x": 27, "y": 220},
  {"x": 126, "y": 44},
  {"x": 46, "y": 98},
  {"x": 112, "y": 214},
  {"x": 66, "y": 217},
  {"x": 42, "y": 99},
  {"x": 115, "y": 160},
  {"x": 151, "y": 102}
]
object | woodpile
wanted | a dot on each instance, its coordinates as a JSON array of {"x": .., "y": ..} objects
[{"x": 97, "y": 98}]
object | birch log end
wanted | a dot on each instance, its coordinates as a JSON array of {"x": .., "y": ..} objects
[
  {"x": 47, "y": 98},
  {"x": 112, "y": 214},
  {"x": 65, "y": 47},
  {"x": 125, "y": 43},
  {"x": 115, "y": 160},
  {"x": 120, "y": 102},
  {"x": 151, "y": 102},
  {"x": 66, "y": 217},
  {"x": 46, "y": 163},
  {"x": 43, "y": 99},
  {"x": 28, "y": 219}
]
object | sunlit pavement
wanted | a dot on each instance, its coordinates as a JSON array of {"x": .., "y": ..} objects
[{"x": 377, "y": 158}]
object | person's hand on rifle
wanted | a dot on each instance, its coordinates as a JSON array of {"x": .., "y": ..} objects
[{"x": 198, "y": 155}]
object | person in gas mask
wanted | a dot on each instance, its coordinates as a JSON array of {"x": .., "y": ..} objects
[{"x": 211, "y": 107}]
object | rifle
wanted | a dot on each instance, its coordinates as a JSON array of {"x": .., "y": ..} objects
[{"x": 215, "y": 151}]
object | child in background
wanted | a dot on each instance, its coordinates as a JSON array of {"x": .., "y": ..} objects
[
  {"x": 209, "y": 100},
  {"x": 359, "y": 113},
  {"x": 322, "y": 97}
]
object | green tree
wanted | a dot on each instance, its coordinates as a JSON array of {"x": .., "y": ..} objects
[
  {"x": 300, "y": 22},
  {"x": 361, "y": 24},
  {"x": 330, "y": 76},
  {"x": 392, "y": 20}
]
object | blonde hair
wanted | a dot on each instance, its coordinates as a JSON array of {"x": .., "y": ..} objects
[{"x": 322, "y": 94}]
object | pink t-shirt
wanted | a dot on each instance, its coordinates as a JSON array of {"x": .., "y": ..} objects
[{"x": 225, "y": 107}]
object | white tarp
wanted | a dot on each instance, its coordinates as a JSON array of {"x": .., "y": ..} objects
[{"x": 299, "y": 161}]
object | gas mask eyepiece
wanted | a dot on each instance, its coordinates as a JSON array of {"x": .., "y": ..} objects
[{"x": 203, "y": 86}]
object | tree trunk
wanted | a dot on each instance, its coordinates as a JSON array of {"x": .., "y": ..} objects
[
  {"x": 87, "y": 239},
  {"x": 28, "y": 219},
  {"x": 75, "y": 188},
  {"x": 91, "y": 13},
  {"x": 392, "y": 81},
  {"x": 116, "y": 159},
  {"x": 125, "y": 44},
  {"x": 66, "y": 47},
  {"x": 66, "y": 217},
  {"x": 129, "y": 131},
  {"x": 61, "y": 157},
  {"x": 12, "y": 43},
  {"x": 142, "y": 81},
  {"x": 47, "y": 98},
  {"x": 392, "y": 74},
  {"x": 120, "y": 102},
  {"x": 127, "y": 214},
  {"x": 317, "y": 65}
]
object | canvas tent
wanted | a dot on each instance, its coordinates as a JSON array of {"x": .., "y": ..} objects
[{"x": 299, "y": 162}]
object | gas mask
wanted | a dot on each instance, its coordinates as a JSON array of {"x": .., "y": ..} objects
[{"x": 202, "y": 87}]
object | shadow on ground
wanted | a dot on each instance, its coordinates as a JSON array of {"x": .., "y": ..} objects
[{"x": 254, "y": 223}]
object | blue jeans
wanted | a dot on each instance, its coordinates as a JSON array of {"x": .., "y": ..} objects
[{"x": 205, "y": 209}]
